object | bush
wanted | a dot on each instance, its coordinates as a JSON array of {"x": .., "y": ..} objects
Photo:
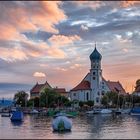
[{"x": 90, "y": 103}]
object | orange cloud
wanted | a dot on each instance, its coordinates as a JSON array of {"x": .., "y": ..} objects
[
  {"x": 39, "y": 74},
  {"x": 61, "y": 40},
  {"x": 129, "y": 3},
  {"x": 18, "y": 18},
  {"x": 91, "y": 4},
  {"x": 12, "y": 54},
  {"x": 55, "y": 52}
]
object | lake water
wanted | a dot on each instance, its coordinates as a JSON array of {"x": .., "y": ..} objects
[{"x": 89, "y": 127}]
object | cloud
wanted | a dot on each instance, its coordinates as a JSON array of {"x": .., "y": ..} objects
[
  {"x": 62, "y": 40},
  {"x": 128, "y": 3},
  {"x": 39, "y": 74},
  {"x": 54, "y": 52},
  {"x": 90, "y": 4},
  {"x": 12, "y": 54},
  {"x": 84, "y": 27},
  {"x": 18, "y": 17}
]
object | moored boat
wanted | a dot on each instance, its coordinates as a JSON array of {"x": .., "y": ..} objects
[
  {"x": 62, "y": 123},
  {"x": 135, "y": 111},
  {"x": 17, "y": 116},
  {"x": 5, "y": 115},
  {"x": 106, "y": 111},
  {"x": 34, "y": 111}
]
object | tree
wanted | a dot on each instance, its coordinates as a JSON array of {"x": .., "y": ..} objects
[
  {"x": 49, "y": 98},
  {"x": 104, "y": 100},
  {"x": 20, "y": 98},
  {"x": 90, "y": 103},
  {"x": 138, "y": 83},
  {"x": 81, "y": 103}
]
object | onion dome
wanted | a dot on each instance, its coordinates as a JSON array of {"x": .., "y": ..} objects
[{"x": 95, "y": 55}]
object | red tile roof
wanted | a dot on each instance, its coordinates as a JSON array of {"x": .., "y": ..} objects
[
  {"x": 60, "y": 90},
  {"x": 116, "y": 87},
  {"x": 37, "y": 88},
  {"x": 84, "y": 85}
]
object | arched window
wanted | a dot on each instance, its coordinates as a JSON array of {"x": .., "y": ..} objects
[
  {"x": 97, "y": 100},
  {"x": 87, "y": 96}
]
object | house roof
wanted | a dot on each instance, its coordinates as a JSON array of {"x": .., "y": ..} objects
[
  {"x": 84, "y": 85},
  {"x": 116, "y": 87},
  {"x": 37, "y": 88},
  {"x": 60, "y": 90}
]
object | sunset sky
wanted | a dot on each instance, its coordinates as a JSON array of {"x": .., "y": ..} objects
[{"x": 52, "y": 40}]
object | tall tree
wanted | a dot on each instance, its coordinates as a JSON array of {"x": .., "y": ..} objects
[{"x": 21, "y": 98}]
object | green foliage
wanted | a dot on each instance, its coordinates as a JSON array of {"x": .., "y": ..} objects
[
  {"x": 50, "y": 98},
  {"x": 81, "y": 103},
  {"x": 90, "y": 103},
  {"x": 104, "y": 100},
  {"x": 30, "y": 103},
  {"x": 20, "y": 98}
]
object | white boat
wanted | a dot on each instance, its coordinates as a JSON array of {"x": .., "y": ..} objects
[
  {"x": 90, "y": 112},
  {"x": 125, "y": 111},
  {"x": 96, "y": 111},
  {"x": 34, "y": 111},
  {"x": 5, "y": 115},
  {"x": 62, "y": 123},
  {"x": 106, "y": 111}
]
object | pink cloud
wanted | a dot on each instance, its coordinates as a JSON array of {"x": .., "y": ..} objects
[
  {"x": 39, "y": 74},
  {"x": 91, "y": 4},
  {"x": 128, "y": 3},
  {"x": 12, "y": 54},
  {"x": 61, "y": 40},
  {"x": 19, "y": 17}
]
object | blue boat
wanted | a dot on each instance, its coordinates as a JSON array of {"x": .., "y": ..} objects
[
  {"x": 135, "y": 111},
  {"x": 17, "y": 116}
]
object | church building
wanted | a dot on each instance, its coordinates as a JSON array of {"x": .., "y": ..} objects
[{"x": 94, "y": 86}]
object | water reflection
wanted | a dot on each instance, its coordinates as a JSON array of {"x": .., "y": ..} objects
[
  {"x": 17, "y": 123},
  {"x": 84, "y": 127}
]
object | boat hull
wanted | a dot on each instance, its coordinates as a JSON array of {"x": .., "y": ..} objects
[{"x": 17, "y": 116}]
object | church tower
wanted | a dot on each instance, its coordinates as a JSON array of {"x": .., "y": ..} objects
[{"x": 96, "y": 76}]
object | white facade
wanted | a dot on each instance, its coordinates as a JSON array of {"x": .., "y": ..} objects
[
  {"x": 98, "y": 85},
  {"x": 81, "y": 95}
]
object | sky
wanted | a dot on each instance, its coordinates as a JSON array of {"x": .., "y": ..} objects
[{"x": 52, "y": 40}]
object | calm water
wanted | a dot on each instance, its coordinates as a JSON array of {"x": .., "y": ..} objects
[{"x": 97, "y": 126}]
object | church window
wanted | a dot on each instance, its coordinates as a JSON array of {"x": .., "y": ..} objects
[
  {"x": 97, "y": 67},
  {"x": 87, "y": 96},
  {"x": 93, "y": 78},
  {"x": 98, "y": 93},
  {"x": 74, "y": 94},
  {"x": 103, "y": 92},
  {"x": 94, "y": 73},
  {"x": 97, "y": 100}
]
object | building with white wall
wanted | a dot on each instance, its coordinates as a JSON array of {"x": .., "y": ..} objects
[{"x": 94, "y": 86}]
